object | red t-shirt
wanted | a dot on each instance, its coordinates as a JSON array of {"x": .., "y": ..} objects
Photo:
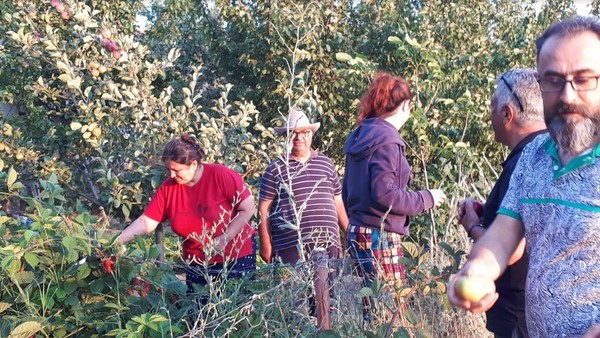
[{"x": 202, "y": 212}]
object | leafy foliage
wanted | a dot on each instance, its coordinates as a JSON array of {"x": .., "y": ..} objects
[{"x": 93, "y": 99}]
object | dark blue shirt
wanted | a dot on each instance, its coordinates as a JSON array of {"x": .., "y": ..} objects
[{"x": 510, "y": 307}]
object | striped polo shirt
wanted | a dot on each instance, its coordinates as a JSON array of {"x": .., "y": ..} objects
[
  {"x": 302, "y": 195},
  {"x": 559, "y": 207}
]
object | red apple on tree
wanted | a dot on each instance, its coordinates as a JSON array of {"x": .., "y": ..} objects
[
  {"x": 116, "y": 54},
  {"x": 60, "y": 7},
  {"x": 112, "y": 47}
]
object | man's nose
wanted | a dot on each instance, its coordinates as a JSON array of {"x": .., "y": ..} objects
[{"x": 568, "y": 93}]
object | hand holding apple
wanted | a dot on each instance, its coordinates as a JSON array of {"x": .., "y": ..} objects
[
  {"x": 470, "y": 212},
  {"x": 478, "y": 207},
  {"x": 473, "y": 288}
]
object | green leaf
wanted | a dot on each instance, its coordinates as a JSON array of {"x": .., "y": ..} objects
[
  {"x": 395, "y": 40},
  {"x": 11, "y": 265},
  {"x": 411, "y": 248},
  {"x": 115, "y": 306},
  {"x": 423, "y": 333},
  {"x": 407, "y": 261},
  {"x": 70, "y": 243},
  {"x": 402, "y": 333},
  {"x": 59, "y": 333},
  {"x": 31, "y": 259},
  {"x": 152, "y": 326},
  {"x": 73, "y": 301},
  {"x": 60, "y": 293},
  {"x": 154, "y": 252},
  {"x": 75, "y": 126},
  {"x": 17, "y": 186},
  {"x": 97, "y": 286},
  {"x": 441, "y": 286},
  {"x": 328, "y": 334},
  {"x": 448, "y": 248},
  {"x": 365, "y": 292},
  {"x": 369, "y": 334},
  {"x": 53, "y": 178},
  {"x": 48, "y": 301},
  {"x": 412, "y": 42},
  {"x": 156, "y": 318},
  {"x": 11, "y": 178},
  {"x": 125, "y": 210},
  {"x": 83, "y": 271},
  {"x": 70, "y": 286},
  {"x": 29, "y": 234},
  {"x": 24, "y": 277},
  {"x": 410, "y": 316},
  {"x": 343, "y": 57}
]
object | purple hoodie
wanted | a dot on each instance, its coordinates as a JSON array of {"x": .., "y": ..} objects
[{"x": 377, "y": 173}]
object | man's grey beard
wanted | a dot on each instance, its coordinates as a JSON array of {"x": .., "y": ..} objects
[{"x": 574, "y": 137}]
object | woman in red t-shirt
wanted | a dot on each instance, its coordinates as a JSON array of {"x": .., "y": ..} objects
[{"x": 208, "y": 206}]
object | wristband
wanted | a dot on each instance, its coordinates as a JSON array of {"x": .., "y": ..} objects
[{"x": 471, "y": 229}]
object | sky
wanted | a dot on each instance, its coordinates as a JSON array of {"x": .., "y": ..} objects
[{"x": 581, "y": 7}]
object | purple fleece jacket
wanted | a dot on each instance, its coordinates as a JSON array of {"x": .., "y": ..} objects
[{"x": 377, "y": 173}]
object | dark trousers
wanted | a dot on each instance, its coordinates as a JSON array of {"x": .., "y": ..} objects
[
  {"x": 198, "y": 274},
  {"x": 518, "y": 332},
  {"x": 292, "y": 255}
]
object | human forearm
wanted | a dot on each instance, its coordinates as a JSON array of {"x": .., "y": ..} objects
[
  {"x": 491, "y": 253},
  {"x": 141, "y": 226},
  {"x": 245, "y": 210},
  {"x": 264, "y": 229},
  {"x": 341, "y": 213},
  {"x": 518, "y": 253}
]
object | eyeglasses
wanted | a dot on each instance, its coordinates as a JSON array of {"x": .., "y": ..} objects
[
  {"x": 302, "y": 133},
  {"x": 512, "y": 92},
  {"x": 555, "y": 84}
]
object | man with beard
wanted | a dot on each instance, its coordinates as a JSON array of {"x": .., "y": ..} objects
[{"x": 554, "y": 196}]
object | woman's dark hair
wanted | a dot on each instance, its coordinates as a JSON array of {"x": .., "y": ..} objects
[
  {"x": 183, "y": 150},
  {"x": 384, "y": 95}
]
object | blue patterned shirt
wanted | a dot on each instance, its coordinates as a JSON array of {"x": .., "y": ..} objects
[{"x": 560, "y": 210}]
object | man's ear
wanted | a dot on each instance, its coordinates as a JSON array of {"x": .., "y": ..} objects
[{"x": 509, "y": 113}]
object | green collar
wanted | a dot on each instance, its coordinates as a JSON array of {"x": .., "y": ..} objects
[{"x": 586, "y": 158}]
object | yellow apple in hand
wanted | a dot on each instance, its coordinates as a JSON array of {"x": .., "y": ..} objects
[{"x": 473, "y": 288}]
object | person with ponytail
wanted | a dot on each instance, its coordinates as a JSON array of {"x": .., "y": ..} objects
[
  {"x": 374, "y": 188},
  {"x": 207, "y": 205}
]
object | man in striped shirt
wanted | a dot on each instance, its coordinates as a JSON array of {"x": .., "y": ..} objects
[{"x": 300, "y": 205}]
